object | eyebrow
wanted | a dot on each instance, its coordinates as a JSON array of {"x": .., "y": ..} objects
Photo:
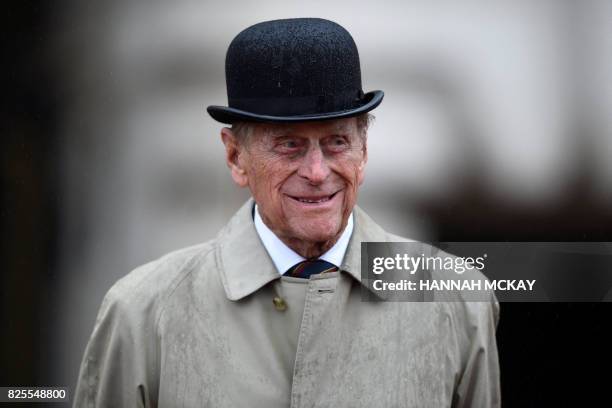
[{"x": 279, "y": 131}]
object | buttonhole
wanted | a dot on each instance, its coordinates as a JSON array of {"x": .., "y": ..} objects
[{"x": 326, "y": 291}]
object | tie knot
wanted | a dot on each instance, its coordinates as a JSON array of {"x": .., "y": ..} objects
[{"x": 306, "y": 268}]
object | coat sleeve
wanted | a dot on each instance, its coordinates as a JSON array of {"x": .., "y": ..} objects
[
  {"x": 479, "y": 384},
  {"x": 119, "y": 365}
]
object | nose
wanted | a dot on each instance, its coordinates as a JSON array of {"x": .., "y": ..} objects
[{"x": 314, "y": 166}]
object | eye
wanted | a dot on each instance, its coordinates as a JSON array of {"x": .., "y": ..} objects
[
  {"x": 337, "y": 143},
  {"x": 288, "y": 145}
]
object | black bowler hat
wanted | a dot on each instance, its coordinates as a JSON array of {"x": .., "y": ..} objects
[{"x": 293, "y": 70}]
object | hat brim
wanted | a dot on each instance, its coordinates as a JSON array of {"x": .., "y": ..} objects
[{"x": 229, "y": 115}]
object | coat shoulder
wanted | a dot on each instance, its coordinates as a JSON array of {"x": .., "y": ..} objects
[
  {"x": 146, "y": 288},
  {"x": 458, "y": 303}
]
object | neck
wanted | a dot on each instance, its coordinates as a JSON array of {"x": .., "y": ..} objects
[{"x": 309, "y": 250}]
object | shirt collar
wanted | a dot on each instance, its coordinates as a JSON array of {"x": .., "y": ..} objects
[
  {"x": 244, "y": 263},
  {"x": 284, "y": 257}
]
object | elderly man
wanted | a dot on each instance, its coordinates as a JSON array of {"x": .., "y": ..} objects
[{"x": 269, "y": 313}]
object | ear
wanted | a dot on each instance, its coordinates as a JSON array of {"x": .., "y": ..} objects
[
  {"x": 233, "y": 152},
  {"x": 362, "y": 164}
]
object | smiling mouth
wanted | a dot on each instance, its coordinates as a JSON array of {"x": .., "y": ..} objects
[{"x": 314, "y": 200}]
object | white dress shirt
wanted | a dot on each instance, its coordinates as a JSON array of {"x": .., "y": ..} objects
[{"x": 284, "y": 257}]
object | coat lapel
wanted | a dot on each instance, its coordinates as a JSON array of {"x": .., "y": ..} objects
[{"x": 243, "y": 261}]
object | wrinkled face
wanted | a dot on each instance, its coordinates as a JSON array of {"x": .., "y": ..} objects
[{"x": 304, "y": 177}]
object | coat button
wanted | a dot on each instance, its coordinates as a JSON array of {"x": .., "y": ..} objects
[{"x": 279, "y": 303}]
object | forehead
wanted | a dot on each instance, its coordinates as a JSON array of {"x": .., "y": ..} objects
[{"x": 308, "y": 129}]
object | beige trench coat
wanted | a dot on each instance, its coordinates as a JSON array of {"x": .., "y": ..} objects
[{"x": 197, "y": 328}]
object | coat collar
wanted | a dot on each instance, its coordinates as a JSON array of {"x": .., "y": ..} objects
[{"x": 245, "y": 265}]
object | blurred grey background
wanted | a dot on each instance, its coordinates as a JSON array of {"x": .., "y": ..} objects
[{"x": 496, "y": 125}]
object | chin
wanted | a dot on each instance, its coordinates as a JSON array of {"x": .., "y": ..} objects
[{"x": 319, "y": 232}]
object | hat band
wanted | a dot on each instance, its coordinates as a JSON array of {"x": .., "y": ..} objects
[{"x": 298, "y": 105}]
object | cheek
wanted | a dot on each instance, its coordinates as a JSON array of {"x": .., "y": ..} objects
[
  {"x": 352, "y": 172},
  {"x": 267, "y": 177}
]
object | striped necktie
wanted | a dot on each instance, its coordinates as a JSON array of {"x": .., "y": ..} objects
[{"x": 306, "y": 268}]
